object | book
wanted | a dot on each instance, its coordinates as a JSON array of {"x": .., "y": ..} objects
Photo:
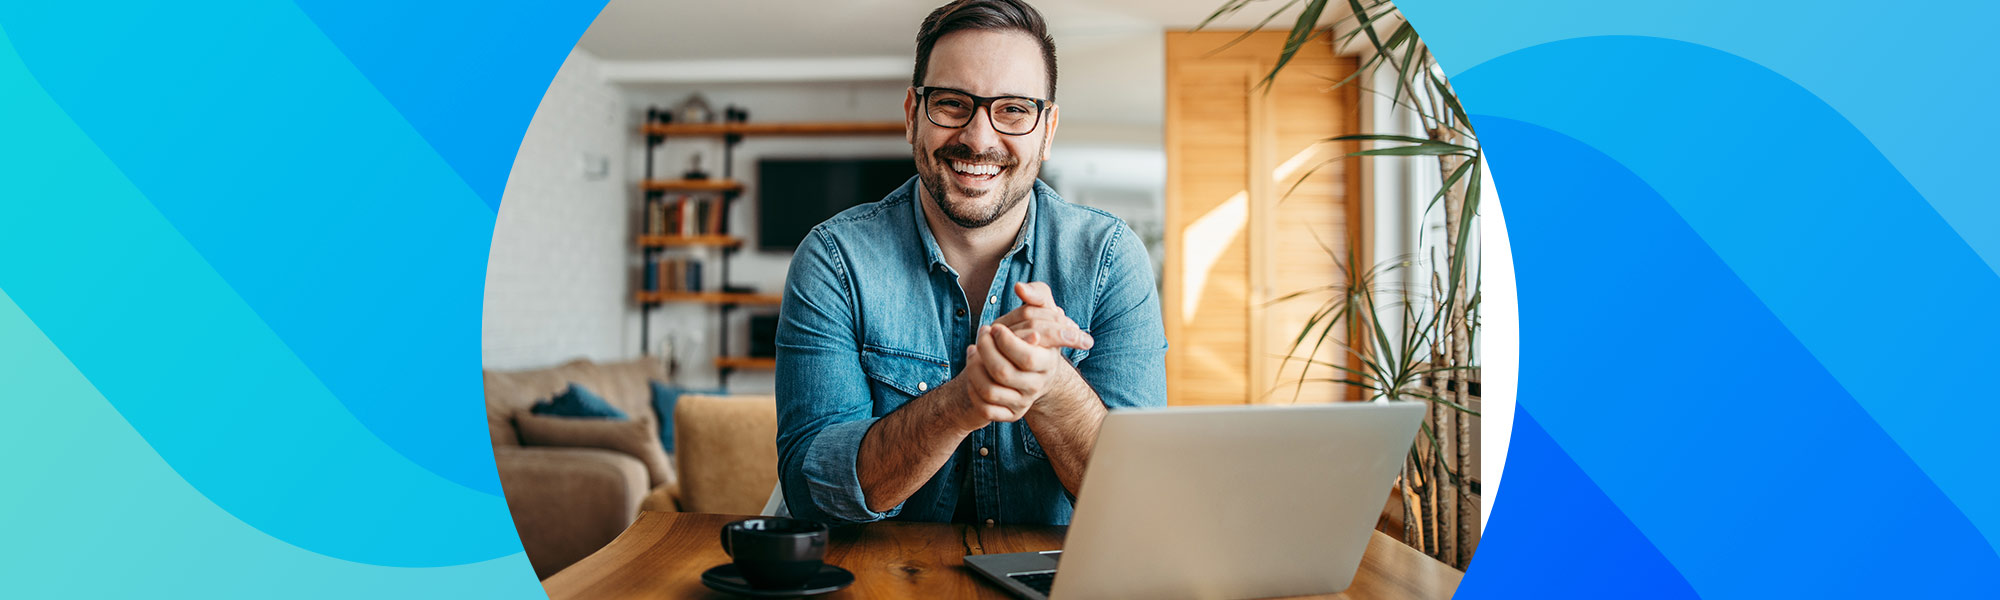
[
  {"x": 652, "y": 273},
  {"x": 715, "y": 220}
]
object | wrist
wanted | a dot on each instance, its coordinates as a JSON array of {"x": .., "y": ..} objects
[
  {"x": 963, "y": 412},
  {"x": 1061, "y": 393}
]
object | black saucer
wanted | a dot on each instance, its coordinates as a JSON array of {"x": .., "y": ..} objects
[{"x": 725, "y": 578}]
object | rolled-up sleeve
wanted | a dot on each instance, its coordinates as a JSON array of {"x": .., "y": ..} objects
[
  {"x": 1128, "y": 365},
  {"x": 824, "y": 406}
]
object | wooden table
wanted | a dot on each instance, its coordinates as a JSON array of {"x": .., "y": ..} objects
[{"x": 663, "y": 554}]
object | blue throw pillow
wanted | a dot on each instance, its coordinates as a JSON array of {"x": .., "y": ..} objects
[
  {"x": 665, "y": 396},
  {"x": 577, "y": 401}
]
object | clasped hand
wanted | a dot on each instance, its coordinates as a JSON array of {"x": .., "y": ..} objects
[{"x": 1017, "y": 360}]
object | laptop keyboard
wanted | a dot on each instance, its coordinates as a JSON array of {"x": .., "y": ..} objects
[{"x": 1040, "y": 582}]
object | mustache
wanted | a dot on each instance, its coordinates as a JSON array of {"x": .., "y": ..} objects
[{"x": 964, "y": 153}]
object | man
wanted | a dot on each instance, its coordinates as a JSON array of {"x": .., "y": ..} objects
[{"x": 947, "y": 353}]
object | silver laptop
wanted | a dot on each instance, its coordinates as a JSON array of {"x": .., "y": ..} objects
[{"x": 1222, "y": 502}]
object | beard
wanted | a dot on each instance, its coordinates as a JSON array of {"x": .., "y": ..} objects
[{"x": 967, "y": 210}]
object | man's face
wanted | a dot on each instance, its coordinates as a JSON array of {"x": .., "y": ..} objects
[{"x": 958, "y": 166}]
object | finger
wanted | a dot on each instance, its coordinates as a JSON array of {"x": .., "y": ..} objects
[
  {"x": 997, "y": 366},
  {"x": 1028, "y": 357},
  {"x": 1076, "y": 336},
  {"x": 1053, "y": 334},
  {"x": 1002, "y": 396},
  {"x": 1027, "y": 313},
  {"x": 1035, "y": 293}
]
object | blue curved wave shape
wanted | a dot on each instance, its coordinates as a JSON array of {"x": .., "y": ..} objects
[
  {"x": 1677, "y": 312},
  {"x": 266, "y": 270},
  {"x": 1555, "y": 535},
  {"x": 195, "y": 371},
  {"x": 1908, "y": 75},
  {"x": 305, "y": 183},
  {"x": 465, "y": 75},
  {"x": 100, "y": 515}
]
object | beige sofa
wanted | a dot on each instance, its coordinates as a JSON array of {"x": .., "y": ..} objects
[{"x": 569, "y": 501}]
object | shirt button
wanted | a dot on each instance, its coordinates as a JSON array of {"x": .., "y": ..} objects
[
  {"x": 989, "y": 522},
  {"x": 982, "y": 451},
  {"x": 992, "y": 299},
  {"x": 961, "y": 312},
  {"x": 923, "y": 385}
]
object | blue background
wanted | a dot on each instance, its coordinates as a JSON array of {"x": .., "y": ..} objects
[{"x": 243, "y": 245}]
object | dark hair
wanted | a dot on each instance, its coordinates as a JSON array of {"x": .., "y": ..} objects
[{"x": 991, "y": 15}]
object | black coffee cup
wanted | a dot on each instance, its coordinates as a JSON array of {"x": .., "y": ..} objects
[{"x": 775, "y": 553}]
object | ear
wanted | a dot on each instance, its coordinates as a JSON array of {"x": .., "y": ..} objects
[
  {"x": 910, "y": 115},
  {"x": 1055, "y": 115}
]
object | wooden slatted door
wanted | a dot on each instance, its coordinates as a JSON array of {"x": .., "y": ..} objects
[{"x": 1255, "y": 201}]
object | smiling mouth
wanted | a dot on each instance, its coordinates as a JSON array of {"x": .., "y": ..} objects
[{"x": 976, "y": 171}]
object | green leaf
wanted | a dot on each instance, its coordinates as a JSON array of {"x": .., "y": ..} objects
[
  {"x": 1302, "y": 31},
  {"x": 1302, "y": 179},
  {"x": 1451, "y": 100},
  {"x": 1404, "y": 34},
  {"x": 1246, "y": 34},
  {"x": 1367, "y": 27},
  {"x": 1228, "y": 8},
  {"x": 1465, "y": 214},
  {"x": 1440, "y": 400},
  {"x": 1432, "y": 149},
  {"x": 1382, "y": 138},
  {"x": 1456, "y": 174}
]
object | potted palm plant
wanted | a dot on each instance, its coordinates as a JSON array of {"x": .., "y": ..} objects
[{"x": 1409, "y": 323}]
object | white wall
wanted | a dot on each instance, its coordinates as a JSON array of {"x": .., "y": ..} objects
[
  {"x": 564, "y": 266},
  {"x": 1118, "y": 165},
  {"x": 557, "y": 281}
]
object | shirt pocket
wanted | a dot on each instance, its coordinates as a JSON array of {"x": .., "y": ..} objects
[
  {"x": 896, "y": 376},
  {"x": 1028, "y": 443}
]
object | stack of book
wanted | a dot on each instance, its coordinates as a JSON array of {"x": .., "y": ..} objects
[
  {"x": 669, "y": 274},
  {"x": 685, "y": 215}
]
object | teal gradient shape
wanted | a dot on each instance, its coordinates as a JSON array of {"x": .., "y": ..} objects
[
  {"x": 90, "y": 511},
  {"x": 278, "y": 161},
  {"x": 196, "y": 371}
]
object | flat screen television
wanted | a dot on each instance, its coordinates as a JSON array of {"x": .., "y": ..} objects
[{"x": 794, "y": 194}]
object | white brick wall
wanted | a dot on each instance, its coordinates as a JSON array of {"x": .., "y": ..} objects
[{"x": 558, "y": 282}]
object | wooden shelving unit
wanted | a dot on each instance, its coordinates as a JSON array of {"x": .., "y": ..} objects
[
  {"x": 775, "y": 129},
  {"x": 729, "y": 189},
  {"x": 745, "y": 362},
  {"x": 691, "y": 185},
  {"x": 645, "y": 297},
  {"x": 671, "y": 241}
]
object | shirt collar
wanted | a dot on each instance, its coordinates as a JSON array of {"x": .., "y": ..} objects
[{"x": 1023, "y": 240}]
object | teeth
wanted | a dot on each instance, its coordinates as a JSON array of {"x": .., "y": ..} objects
[{"x": 972, "y": 169}]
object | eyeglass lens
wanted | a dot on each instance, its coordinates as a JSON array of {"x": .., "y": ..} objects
[{"x": 1011, "y": 115}]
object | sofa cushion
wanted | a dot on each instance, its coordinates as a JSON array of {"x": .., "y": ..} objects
[
  {"x": 624, "y": 384},
  {"x": 727, "y": 452},
  {"x": 578, "y": 402},
  {"x": 665, "y": 396},
  {"x": 633, "y": 437},
  {"x": 511, "y": 392}
]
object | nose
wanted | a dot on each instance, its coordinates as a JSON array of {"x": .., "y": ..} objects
[{"x": 980, "y": 134}]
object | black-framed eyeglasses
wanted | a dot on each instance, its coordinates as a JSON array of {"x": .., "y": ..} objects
[{"x": 1010, "y": 115}]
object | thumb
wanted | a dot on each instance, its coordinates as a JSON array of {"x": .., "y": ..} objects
[{"x": 1035, "y": 293}]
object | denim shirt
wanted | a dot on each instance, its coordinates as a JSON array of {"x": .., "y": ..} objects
[{"x": 873, "y": 317}]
